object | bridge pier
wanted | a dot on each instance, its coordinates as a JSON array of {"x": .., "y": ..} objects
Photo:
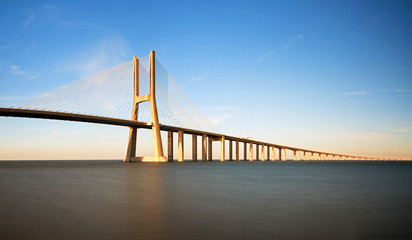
[
  {"x": 257, "y": 152},
  {"x": 204, "y": 147},
  {"x": 170, "y": 146},
  {"x": 230, "y": 150},
  {"x": 194, "y": 147},
  {"x": 284, "y": 154},
  {"x": 237, "y": 151},
  {"x": 273, "y": 153},
  {"x": 180, "y": 153},
  {"x": 250, "y": 151},
  {"x": 210, "y": 146},
  {"x": 244, "y": 151},
  {"x": 222, "y": 149},
  {"x": 262, "y": 157},
  {"x": 280, "y": 154}
]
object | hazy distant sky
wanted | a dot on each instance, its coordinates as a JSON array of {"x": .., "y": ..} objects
[{"x": 334, "y": 76}]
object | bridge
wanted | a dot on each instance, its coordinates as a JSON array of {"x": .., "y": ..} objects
[{"x": 129, "y": 94}]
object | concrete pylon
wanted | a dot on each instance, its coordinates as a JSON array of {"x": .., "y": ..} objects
[{"x": 151, "y": 97}]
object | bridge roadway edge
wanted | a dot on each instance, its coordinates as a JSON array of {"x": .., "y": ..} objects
[{"x": 41, "y": 114}]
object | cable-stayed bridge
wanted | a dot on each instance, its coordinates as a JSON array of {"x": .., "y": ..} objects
[{"x": 141, "y": 94}]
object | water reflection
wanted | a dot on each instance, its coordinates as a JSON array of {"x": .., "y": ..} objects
[{"x": 229, "y": 200}]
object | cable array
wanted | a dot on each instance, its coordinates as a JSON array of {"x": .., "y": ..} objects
[{"x": 109, "y": 93}]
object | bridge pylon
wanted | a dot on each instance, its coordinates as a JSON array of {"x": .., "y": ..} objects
[{"x": 151, "y": 97}]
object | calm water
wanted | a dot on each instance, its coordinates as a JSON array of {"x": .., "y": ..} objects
[{"x": 229, "y": 200}]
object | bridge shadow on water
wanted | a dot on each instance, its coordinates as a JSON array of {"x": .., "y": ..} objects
[{"x": 205, "y": 200}]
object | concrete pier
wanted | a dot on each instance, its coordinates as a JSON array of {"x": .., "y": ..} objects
[
  {"x": 250, "y": 151},
  {"x": 170, "y": 146},
  {"x": 230, "y": 150},
  {"x": 204, "y": 147},
  {"x": 262, "y": 154},
  {"x": 209, "y": 149},
  {"x": 222, "y": 149},
  {"x": 244, "y": 151},
  {"x": 257, "y": 152},
  {"x": 180, "y": 153},
  {"x": 237, "y": 151},
  {"x": 194, "y": 147}
]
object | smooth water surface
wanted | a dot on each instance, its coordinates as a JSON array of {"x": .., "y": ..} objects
[{"x": 210, "y": 200}]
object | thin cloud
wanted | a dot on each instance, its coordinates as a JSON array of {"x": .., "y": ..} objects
[
  {"x": 403, "y": 90},
  {"x": 359, "y": 93},
  {"x": 290, "y": 43},
  {"x": 197, "y": 78},
  {"x": 217, "y": 120},
  {"x": 366, "y": 136},
  {"x": 204, "y": 75},
  {"x": 29, "y": 20},
  {"x": 3, "y": 98},
  {"x": 107, "y": 52},
  {"x": 15, "y": 70},
  {"x": 222, "y": 108}
]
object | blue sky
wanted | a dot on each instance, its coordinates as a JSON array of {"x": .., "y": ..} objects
[{"x": 329, "y": 75}]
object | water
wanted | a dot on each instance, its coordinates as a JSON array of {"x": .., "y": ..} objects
[{"x": 212, "y": 200}]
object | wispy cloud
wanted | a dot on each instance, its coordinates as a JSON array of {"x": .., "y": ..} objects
[
  {"x": 403, "y": 90},
  {"x": 5, "y": 46},
  {"x": 217, "y": 120},
  {"x": 16, "y": 70},
  {"x": 366, "y": 136},
  {"x": 29, "y": 20},
  {"x": 355, "y": 93},
  {"x": 204, "y": 75},
  {"x": 290, "y": 43},
  {"x": 197, "y": 78},
  {"x": 3, "y": 98},
  {"x": 400, "y": 130},
  {"x": 105, "y": 53},
  {"x": 221, "y": 108}
]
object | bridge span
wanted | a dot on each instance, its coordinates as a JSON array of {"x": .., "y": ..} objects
[
  {"x": 206, "y": 137},
  {"x": 141, "y": 75}
]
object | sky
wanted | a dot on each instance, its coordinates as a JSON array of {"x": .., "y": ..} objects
[{"x": 332, "y": 76}]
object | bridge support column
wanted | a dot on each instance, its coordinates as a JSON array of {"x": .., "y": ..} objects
[
  {"x": 204, "y": 147},
  {"x": 268, "y": 153},
  {"x": 180, "y": 153},
  {"x": 262, "y": 157},
  {"x": 294, "y": 155},
  {"x": 284, "y": 154},
  {"x": 237, "y": 150},
  {"x": 280, "y": 154},
  {"x": 230, "y": 150},
  {"x": 170, "y": 146},
  {"x": 151, "y": 97},
  {"x": 250, "y": 151},
  {"x": 222, "y": 149},
  {"x": 131, "y": 147},
  {"x": 210, "y": 150},
  {"x": 194, "y": 147},
  {"x": 244, "y": 151},
  {"x": 273, "y": 153},
  {"x": 257, "y": 152}
]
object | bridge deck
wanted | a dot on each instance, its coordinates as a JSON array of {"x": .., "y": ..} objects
[{"x": 29, "y": 113}]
